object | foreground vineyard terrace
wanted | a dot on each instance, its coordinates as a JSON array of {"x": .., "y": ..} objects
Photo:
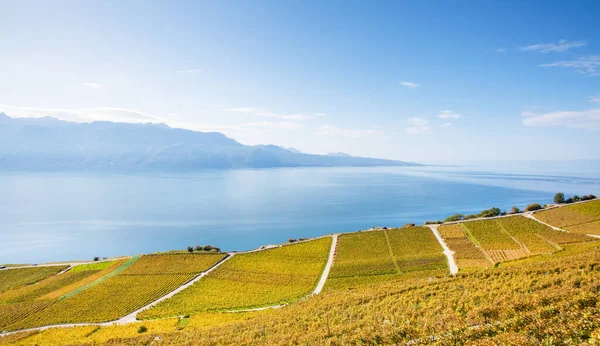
[{"x": 521, "y": 281}]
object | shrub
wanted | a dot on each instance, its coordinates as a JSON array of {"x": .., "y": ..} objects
[
  {"x": 533, "y": 207},
  {"x": 569, "y": 200},
  {"x": 96, "y": 259},
  {"x": 198, "y": 248},
  {"x": 470, "y": 216},
  {"x": 455, "y": 217},
  {"x": 559, "y": 198},
  {"x": 514, "y": 210},
  {"x": 142, "y": 329},
  {"x": 576, "y": 198},
  {"x": 190, "y": 249},
  {"x": 429, "y": 222}
]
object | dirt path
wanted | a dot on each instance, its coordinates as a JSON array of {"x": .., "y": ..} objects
[
  {"x": 319, "y": 286},
  {"x": 449, "y": 253},
  {"x": 531, "y": 216},
  {"x": 132, "y": 316},
  {"x": 328, "y": 266},
  {"x": 70, "y": 264}
]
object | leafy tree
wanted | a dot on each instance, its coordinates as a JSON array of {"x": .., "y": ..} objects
[
  {"x": 455, "y": 217},
  {"x": 514, "y": 210},
  {"x": 576, "y": 198},
  {"x": 198, "y": 248},
  {"x": 559, "y": 198},
  {"x": 490, "y": 212},
  {"x": 190, "y": 249},
  {"x": 96, "y": 259}
]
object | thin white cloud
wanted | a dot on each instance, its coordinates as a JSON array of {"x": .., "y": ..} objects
[
  {"x": 595, "y": 99},
  {"x": 190, "y": 71},
  {"x": 500, "y": 50},
  {"x": 93, "y": 85},
  {"x": 446, "y": 124},
  {"x": 410, "y": 85},
  {"x": 448, "y": 114},
  {"x": 328, "y": 130},
  {"x": 561, "y": 46},
  {"x": 269, "y": 114},
  {"x": 122, "y": 115},
  {"x": 285, "y": 125},
  {"x": 85, "y": 114},
  {"x": 587, "y": 119},
  {"x": 587, "y": 65},
  {"x": 418, "y": 125}
]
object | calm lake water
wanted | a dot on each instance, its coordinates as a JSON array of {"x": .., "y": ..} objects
[{"x": 65, "y": 216}]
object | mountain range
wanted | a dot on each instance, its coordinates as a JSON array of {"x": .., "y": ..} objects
[{"x": 52, "y": 144}]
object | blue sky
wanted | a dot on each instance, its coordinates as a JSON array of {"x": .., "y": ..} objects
[{"x": 422, "y": 81}]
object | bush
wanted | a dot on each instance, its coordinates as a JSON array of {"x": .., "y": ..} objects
[
  {"x": 455, "y": 217},
  {"x": 198, "y": 248},
  {"x": 514, "y": 210},
  {"x": 292, "y": 240},
  {"x": 533, "y": 207},
  {"x": 587, "y": 197},
  {"x": 96, "y": 259},
  {"x": 143, "y": 329},
  {"x": 559, "y": 198},
  {"x": 429, "y": 222},
  {"x": 569, "y": 200},
  {"x": 470, "y": 216},
  {"x": 576, "y": 198},
  {"x": 190, "y": 249}
]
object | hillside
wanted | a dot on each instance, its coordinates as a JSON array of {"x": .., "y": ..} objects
[
  {"x": 521, "y": 281},
  {"x": 51, "y": 144}
]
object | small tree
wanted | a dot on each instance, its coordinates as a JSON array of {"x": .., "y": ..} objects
[
  {"x": 514, "y": 210},
  {"x": 190, "y": 249},
  {"x": 96, "y": 259},
  {"x": 455, "y": 217},
  {"x": 576, "y": 198},
  {"x": 198, "y": 248},
  {"x": 559, "y": 198}
]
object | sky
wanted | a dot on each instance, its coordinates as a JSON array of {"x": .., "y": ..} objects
[{"x": 424, "y": 81}]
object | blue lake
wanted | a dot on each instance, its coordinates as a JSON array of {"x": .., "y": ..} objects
[{"x": 67, "y": 215}]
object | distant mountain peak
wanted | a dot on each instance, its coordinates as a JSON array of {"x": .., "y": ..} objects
[
  {"x": 294, "y": 150},
  {"x": 339, "y": 154}
]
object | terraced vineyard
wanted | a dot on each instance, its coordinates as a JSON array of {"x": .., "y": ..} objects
[
  {"x": 583, "y": 218},
  {"x": 416, "y": 249},
  {"x": 166, "y": 264},
  {"x": 362, "y": 254},
  {"x": 541, "y": 300},
  {"x": 133, "y": 285},
  {"x": 495, "y": 240},
  {"x": 375, "y": 256},
  {"x": 466, "y": 254},
  {"x": 14, "y": 278},
  {"x": 537, "y": 237},
  {"x": 19, "y": 303},
  {"x": 268, "y": 277}
]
